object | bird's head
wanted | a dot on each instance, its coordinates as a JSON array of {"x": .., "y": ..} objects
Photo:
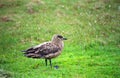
[{"x": 58, "y": 38}]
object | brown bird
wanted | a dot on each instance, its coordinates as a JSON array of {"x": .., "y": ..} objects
[{"x": 47, "y": 50}]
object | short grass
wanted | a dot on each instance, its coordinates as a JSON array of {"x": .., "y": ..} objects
[{"x": 91, "y": 26}]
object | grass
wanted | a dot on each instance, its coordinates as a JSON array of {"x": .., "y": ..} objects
[{"x": 91, "y": 26}]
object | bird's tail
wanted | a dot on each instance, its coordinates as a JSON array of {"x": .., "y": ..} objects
[{"x": 33, "y": 55}]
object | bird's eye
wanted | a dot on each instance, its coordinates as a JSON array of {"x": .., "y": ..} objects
[{"x": 59, "y": 36}]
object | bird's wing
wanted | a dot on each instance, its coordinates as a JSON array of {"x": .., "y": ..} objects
[
  {"x": 42, "y": 49},
  {"x": 47, "y": 49},
  {"x": 34, "y": 48}
]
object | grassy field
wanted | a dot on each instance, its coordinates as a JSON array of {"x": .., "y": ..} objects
[{"x": 91, "y": 26}]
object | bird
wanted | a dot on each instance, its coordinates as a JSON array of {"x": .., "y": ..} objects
[{"x": 47, "y": 50}]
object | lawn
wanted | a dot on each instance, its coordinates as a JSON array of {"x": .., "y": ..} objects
[{"x": 91, "y": 26}]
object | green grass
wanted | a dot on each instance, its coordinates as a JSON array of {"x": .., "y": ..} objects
[{"x": 91, "y": 26}]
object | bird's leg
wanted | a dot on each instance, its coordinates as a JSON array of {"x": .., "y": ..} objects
[
  {"x": 46, "y": 62},
  {"x": 50, "y": 62}
]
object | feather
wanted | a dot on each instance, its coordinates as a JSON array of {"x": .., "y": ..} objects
[{"x": 42, "y": 50}]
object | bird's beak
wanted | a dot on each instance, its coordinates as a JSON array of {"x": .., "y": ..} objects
[{"x": 64, "y": 38}]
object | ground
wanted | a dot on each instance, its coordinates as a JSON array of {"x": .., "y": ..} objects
[{"x": 91, "y": 26}]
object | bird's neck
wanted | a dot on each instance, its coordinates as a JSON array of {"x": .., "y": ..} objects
[{"x": 60, "y": 44}]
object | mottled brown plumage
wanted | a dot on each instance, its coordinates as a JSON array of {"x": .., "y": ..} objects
[{"x": 47, "y": 50}]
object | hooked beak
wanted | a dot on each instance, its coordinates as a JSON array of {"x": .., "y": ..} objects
[{"x": 64, "y": 38}]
